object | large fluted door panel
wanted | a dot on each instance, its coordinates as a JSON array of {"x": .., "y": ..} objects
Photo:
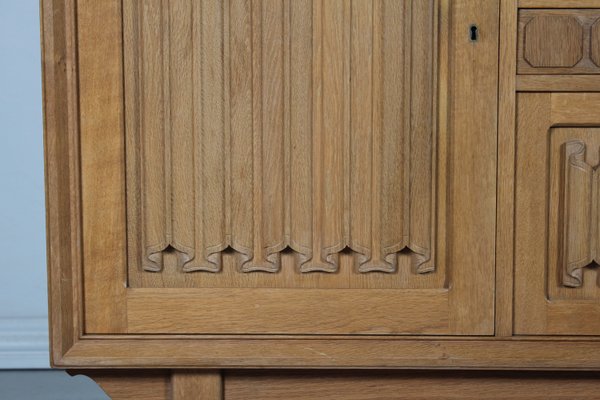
[{"x": 297, "y": 167}]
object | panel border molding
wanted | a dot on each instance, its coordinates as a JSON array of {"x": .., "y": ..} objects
[{"x": 541, "y": 353}]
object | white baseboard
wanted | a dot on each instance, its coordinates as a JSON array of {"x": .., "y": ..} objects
[{"x": 24, "y": 343}]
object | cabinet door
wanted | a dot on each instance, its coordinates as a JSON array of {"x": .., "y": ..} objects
[
  {"x": 557, "y": 214},
  {"x": 288, "y": 166}
]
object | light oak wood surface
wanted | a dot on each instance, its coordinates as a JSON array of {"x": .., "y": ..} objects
[
  {"x": 558, "y": 83},
  {"x": 558, "y": 3},
  {"x": 323, "y": 184},
  {"x": 506, "y": 168},
  {"x": 314, "y": 159},
  {"x": 383, "y": 213},
  {"x": 309, "y": 163},
  {"x": 203, "y": 385},
  {"x": 103, "y": 219},
  {"x": 62, "y": 175},
  {"x": 561, "y": 41},
  {"x": 409, "y": 386},
  {"x": 554, "y": 293}
]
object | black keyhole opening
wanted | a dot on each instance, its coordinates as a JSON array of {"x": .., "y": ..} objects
[{"x": 474, "y": 33}]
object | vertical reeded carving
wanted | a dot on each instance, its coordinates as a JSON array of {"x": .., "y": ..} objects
[
  {"x": 166, "y": 142},
  {"x": 299, "y": 129},
  {"x": 267, "y": 125},
  {"x": 179, "y": 104},
  {"x": 392, "y": 133},
  {"x": 330, "y": 136},
  {"x": 210, "y": 132},
  {"x": 580, "y": 213}
]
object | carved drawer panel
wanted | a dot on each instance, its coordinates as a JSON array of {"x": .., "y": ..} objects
[{"x": 559, "y": 41}]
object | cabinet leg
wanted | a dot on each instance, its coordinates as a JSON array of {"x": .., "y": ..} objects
[
  {"x": 201, "y": 385},
  {"x": 157, "y": 385}
]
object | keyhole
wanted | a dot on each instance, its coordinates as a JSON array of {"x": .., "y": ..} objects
[{"x": 474, "y": 33}]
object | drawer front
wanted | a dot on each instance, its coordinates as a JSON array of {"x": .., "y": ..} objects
[{"x": 561, "y": 41}]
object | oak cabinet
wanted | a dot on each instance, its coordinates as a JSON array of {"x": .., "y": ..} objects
[{"x": 321, "y": 184}]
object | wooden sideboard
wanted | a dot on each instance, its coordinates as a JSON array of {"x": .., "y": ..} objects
[{"x": 246, "y": 197}]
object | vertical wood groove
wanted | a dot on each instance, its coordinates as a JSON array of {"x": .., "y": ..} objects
[
  {"x": 305, "y": 127},
  {"x": 301, "y": 129},
  {"x": 504, "y": 289}
]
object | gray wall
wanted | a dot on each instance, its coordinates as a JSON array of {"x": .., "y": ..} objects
[{"x": 23, "y": 306}]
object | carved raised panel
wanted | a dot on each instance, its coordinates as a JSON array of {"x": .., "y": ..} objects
[
  {"x": 595, "y": 43},
  {"x": 580, "y": 217},
  {"x": 553, "y": 41},
  {"x": 270, "y": 126},
  {"x": 573, "y": 220},
  {"x": 558, "y": 41}
]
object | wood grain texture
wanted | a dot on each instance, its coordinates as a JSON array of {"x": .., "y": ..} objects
[
  {"x": 467, "y": 143},
  {"x": 506, "y": 168},
  {"x": 471, "y": 199},
  {"x": 472, "y": 210},
  {"x": 157, "y": 385},
  {"x": 277, "y": 311},
  {"x": 557, "y": 41},
  {"x": 559, "y": 4},
  {"x": 408, "y": 386},
  {"x": 303, "y": 133},
  {"x": 553, "y": 41},
  {"x": 571, "y": 228},
  {"x": 595, "y": 42},
  {"x": 578, "y": 212},
  {"x": 298, "y": 126},
  {"x": 465, "y": 176},
  {"x": 202, "y": 385},
  {"x": 63, "y": 191},
  {"x": 131, "y": 385},
  {"x": 552, "y": 229},
  {"x": 540, "y": 353},
  {"x": 558, "y": 83},
  {"x": 102, "y": 160}
]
